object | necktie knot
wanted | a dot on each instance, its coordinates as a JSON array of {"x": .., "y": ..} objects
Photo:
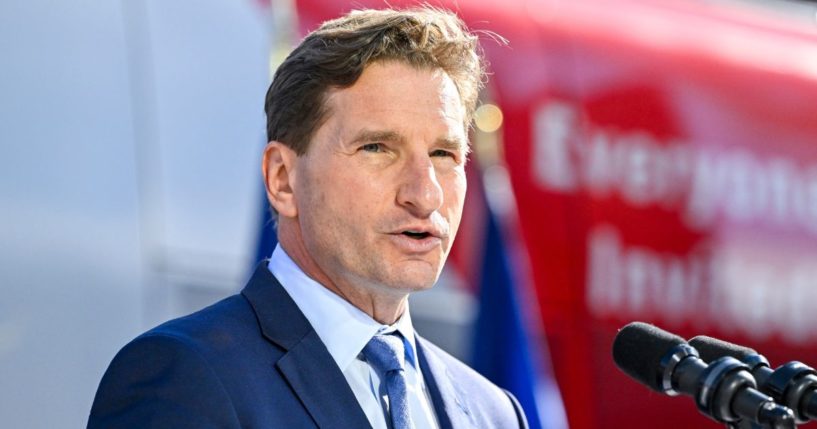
[{"x": 385, "y": 353}]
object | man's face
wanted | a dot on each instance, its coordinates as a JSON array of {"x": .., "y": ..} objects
[{"x": 380, "y": 191}]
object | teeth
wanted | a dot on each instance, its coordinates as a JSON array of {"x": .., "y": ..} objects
[{"x": 415, "y": 233}]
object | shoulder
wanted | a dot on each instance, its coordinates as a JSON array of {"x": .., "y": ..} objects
[
  {"x": 174, "y": 372},
  {"x": 221, "y": 326},
  {"x": 489, "y": 404},
  {"x": 457, "y": 369},
  {"x": 216, "y": 336}
]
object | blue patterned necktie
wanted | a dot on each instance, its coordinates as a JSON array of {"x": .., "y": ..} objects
[{"x": 385, "y": 353}]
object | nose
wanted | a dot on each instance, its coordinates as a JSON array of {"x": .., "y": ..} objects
[{"x": 420, "y": 191}]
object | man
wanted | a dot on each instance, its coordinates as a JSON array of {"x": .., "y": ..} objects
[{"x": 367, "y": 123}]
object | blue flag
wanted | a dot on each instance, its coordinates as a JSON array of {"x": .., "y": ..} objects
[{"x": 504, "y": 350}]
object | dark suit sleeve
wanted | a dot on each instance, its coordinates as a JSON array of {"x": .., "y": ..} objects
[
  {"x": 160, "y": 381},
  {"x": 520, "y": 414}
]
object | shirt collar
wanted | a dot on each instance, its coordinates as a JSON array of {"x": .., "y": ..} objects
[
  {"x": 342, "y": 327},
  {"x": 405, "y": 328}
]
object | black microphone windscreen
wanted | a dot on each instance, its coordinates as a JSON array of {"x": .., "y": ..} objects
[
  {"x": 711, "y": 349},
  {"x": 638, "y": 350}
]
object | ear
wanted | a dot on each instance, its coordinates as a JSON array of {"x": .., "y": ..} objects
[{"x": 278, "y": 168}]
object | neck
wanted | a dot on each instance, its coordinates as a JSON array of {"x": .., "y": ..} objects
[{"x": 384, "y": 307}]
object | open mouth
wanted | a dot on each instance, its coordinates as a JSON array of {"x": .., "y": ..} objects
[{"x": 416, "y": 235}]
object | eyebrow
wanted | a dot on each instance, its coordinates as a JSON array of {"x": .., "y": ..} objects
[
  {"x": 377, "y": 136},
  {"x": 453, "y": 144}
]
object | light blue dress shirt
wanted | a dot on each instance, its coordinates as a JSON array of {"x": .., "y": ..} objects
[{"x": 345, "y": 330}]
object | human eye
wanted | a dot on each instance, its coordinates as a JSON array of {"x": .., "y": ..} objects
[
  {"x": 443, "y": 153},
  {"x": 372, "y": 147}
]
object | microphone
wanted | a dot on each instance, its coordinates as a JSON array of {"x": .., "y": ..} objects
[
  {"x": 724, "y": 390},
  {"x": 793, "y": 384}
]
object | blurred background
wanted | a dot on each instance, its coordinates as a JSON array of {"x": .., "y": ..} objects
[{"x": 634, "y": 160}]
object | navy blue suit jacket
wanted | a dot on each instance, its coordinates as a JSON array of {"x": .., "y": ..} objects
[{"x": 253, "y": 361}]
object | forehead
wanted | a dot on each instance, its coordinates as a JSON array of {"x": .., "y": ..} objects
[{"x": 392, "y": 93}]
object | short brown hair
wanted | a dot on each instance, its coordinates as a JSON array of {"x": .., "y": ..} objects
[{"x": 335, "y": 55}]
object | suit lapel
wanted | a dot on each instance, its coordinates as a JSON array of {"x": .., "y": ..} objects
[
  {"x": 320, "y": 385},
  {"x": 307, "y": 364},
  {"x": 449, "y": 402}
]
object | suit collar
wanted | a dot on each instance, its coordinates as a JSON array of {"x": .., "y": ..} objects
[
  {"x": 280, "y": 319},
  {"x": 307, "y": 365},
  {"x": 342, "y": 327},
  {"x": 449, "y": 401}
]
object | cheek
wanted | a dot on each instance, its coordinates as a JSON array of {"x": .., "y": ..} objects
[
  {"x": 454, "y": 194},
  {"x": 457, "y": 185},
  {"x": 354, "y": 198}
]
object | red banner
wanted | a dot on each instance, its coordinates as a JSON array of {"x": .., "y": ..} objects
[{"x": 664, "y": 161}]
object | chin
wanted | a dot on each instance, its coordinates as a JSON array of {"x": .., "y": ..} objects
[
  {"x": 405, "y": 276},
  {"x": 415, "y": 281}
]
